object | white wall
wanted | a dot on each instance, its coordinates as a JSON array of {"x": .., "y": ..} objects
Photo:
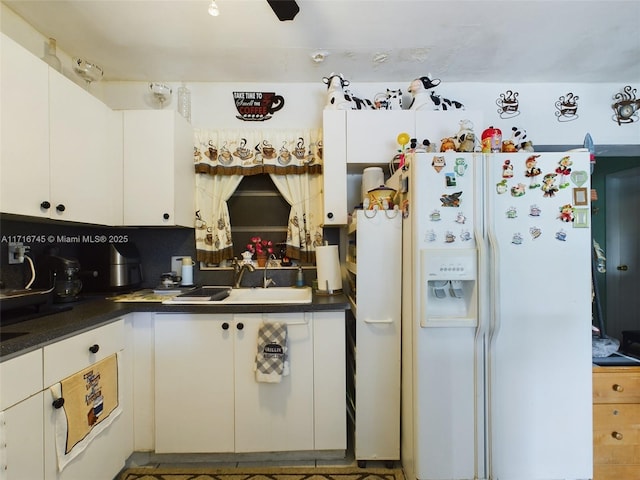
[{"x": 213, "y": 106}]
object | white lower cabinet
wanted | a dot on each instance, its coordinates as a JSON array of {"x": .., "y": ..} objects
[
  {"x": 194, "y": 383},
  {"x": 274, "y": 417},
  {"x": 207, "y": 398},
  {"x": 105, "y": 456},
  {"x": 21, "y": 436}
]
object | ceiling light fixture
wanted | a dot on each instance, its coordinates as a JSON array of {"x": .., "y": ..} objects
[{"x": 213, "y": 9}]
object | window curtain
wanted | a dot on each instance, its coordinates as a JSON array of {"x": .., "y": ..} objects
[{"x": 222, "y": 158}]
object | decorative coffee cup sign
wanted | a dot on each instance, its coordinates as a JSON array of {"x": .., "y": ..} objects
[{"x": 257, "y": 106}]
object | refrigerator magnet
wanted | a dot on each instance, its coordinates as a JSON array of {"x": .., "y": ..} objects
[
  {"x": 535, "y": 232},
  {"x": 450, "y": 180},
  {"x": 431, "y": 236},
  {"x": 579, "y": 177},
  {"x": 507, "y": 169},
  {"x": 549, "y": 186},
  {"x": 465, "y": 235},
  {"x": 534, "y": 211},
  {"x": 532, "y": 171},
  {"x": 501, "y": 187},
  {"x": 566, "y": 213},
  {"x": 512, "y": 212},
  {"x": 451, "y": 199},
  {"x": 435, "y": 216},
  {"x": 561, "y": 235},
  {"x": 460, "y": 218},
  {"x": 518, "y": 190},
  {"x": 460, "y": 167},
  {"x": 581, "y": 218},
  {"x": 564, "y": 170},
  {"x": 580, "y": 196},
  {"x": 517, "y": 239},
  {"x": 438, "y": 163},
  {"x": 449, "y": 237}
]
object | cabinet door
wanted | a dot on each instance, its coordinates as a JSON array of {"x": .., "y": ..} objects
[
  {"x": 194, "y": 383},
  {"x": 159, "y": 179},
  {"x": 21, "y": 431},
  {"x": 103, "y": 458},
  {"x": 334, "y": 167},
  {"x": 274, "y": 416},
  {"x": 85, "y": 159},
  {"x": 372, "y": 134},
  {"x": 24, "y": 145},
  {"x": 329, "y": 392}
]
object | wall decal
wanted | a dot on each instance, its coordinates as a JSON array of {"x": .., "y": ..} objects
[
  {"x": 567, "y": 107},
  {"x": 626, "y": 107},
  {"x": 508, "y": 103},
  {"x": 257, "y": 106}
]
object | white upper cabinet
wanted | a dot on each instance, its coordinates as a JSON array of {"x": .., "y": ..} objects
[
  {"x": 334, "y": 168},
  {"x": 159, "y": 178},
  {"x": 86, "y": 155},
  {"x": 61, "y": 150},
  {"x": 372, "y": 134},
  {"x": 24, "y": 145}
]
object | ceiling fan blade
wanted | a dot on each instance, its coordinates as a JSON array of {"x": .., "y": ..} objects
[{"x": 284, "y": 9}]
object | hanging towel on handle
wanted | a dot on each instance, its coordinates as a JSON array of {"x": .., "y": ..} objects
[{"x": 272, "y": 358}]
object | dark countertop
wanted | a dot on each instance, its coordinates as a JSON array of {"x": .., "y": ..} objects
[{"x": 91, "y": 313}]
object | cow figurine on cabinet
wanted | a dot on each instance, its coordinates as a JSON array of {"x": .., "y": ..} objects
[
  {"x": 340, "y": 98},
  {"x": 419, "y": 89}
]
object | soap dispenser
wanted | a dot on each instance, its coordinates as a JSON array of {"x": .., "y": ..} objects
[{"x": 300, "y": 277}]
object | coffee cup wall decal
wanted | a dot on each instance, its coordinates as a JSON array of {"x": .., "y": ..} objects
[
  {"x": 257, "y": 106},
  {"x": 567, "y": 107},
  {"x": 509, "y": 104},
  {"x": 626, "y": 106}
]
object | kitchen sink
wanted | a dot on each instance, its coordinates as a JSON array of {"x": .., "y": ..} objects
[{"x": 243, "y": 296}]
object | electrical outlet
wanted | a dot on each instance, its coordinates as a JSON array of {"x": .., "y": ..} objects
[
  {"x": 176, "y": 263},
  {"x": 16, "y": 252}
]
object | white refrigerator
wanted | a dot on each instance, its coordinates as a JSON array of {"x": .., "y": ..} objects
[{"x": 496, "y": 316}]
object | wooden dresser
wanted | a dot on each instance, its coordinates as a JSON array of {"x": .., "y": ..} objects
[{"x": 616, "y": 423}]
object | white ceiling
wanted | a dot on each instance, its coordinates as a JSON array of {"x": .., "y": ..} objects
[{"x": 367, "y": 40}]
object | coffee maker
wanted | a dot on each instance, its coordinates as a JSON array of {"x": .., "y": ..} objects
[{"x": 61, "y": 274}]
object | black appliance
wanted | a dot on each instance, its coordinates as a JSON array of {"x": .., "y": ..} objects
[{"x": 61, "y": 274}]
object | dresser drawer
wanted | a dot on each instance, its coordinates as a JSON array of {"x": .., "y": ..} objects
[
  {"x": 616, "y": 387},
  {"x": 71, "y": 355},
  {"x": 616, "y": 472}
]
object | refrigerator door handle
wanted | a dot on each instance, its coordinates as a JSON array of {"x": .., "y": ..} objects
[{"x": 386, "y": 320}]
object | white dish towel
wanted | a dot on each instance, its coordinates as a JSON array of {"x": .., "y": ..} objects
[{"x": 272, "y": 357}]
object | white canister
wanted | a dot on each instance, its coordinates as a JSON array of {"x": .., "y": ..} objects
[
  {"x": 187, "y": 271},
  {"x": 372, "y": 177}
]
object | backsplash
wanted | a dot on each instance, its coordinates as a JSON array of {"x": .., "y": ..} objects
[{"x": 156, "y": 247}]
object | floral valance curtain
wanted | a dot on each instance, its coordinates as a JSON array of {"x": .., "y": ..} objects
[{"x": 293, "y": 159}]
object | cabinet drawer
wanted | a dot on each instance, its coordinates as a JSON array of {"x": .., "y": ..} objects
[
  {"x": 20, "y": 378},
  {"x": 616, "y": 387},
  {"x": 615, "y": 472},
  {"x": 69, "y": 356}
]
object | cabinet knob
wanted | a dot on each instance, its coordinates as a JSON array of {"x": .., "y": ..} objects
[
  {"x": 330, "y": 215},
  {"x": 60, "y": 207},
  {"x": 225, "y": 326},
  {"x": 45, "y": 205},
  {"x": 617, "y": 388},
  {"x": 617, "y": 435},
  {"x": 240, "y": 326},
  {"x": 94, "y": 348},
  {"x": 58, "y": 402},
  {"x": 165, "y": 216}
]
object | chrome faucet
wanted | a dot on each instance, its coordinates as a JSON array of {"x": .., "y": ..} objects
[
  {"x": 238, "y": 272},
  {"x": 265, "y": 280}
]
